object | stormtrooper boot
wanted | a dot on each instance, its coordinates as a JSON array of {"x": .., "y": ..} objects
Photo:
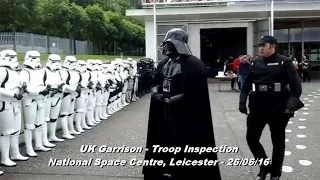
[
  {"x": 71, "y": 125},
  {"x": 14, "y": 147},
  {"x": 78, "y": 123},
  {"x": 52, "y": 132},
  {"x": 104, "y": 110},
  {"x": 89, "y": 118},
  {"x": 5, "y": 150},
  {"x": 119, "y": 105},
  {"x": 83, "y": 122},
  {"x": 45, "y": 140},
  {"x": 101, "y": 117},
  {"x": 110, "y": 109},
  {"x": 94, "y": 121},
  {"x": 97, "y": 109},
  {"x": 38, "y": 140},
  {"x": 65, "y": 130},
  {"x": 1, "y": 173},
  {"x": 123, "y": 100},
  {"x": 28, "y": 142}
]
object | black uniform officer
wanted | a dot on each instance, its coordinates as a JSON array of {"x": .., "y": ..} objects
[{"x": 274, "y": 89}]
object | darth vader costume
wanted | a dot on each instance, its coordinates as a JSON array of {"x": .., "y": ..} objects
[{"x": 180, "y": 113}]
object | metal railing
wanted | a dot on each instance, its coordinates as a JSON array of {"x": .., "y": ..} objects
[
  {"x": 23, "y": 42},
  {"x": 217, "y": 3}
]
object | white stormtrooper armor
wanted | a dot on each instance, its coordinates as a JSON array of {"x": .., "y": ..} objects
[
  {"x": 100, "y": 90},
  {"x": 33, "y": 103},
  {"x": 53, "y": 102},
  {"x": 71, "y": 80},
  {"x": 106, "y": 94},
  {"x": 130, "y": 79},
  {"x": 112, "y": 106},
  {"x": 93, "y": 80},
  {"x": 117, "y": 66},
  {"x": 11, "y": 92},
  {"x": 82, "y": 100},
  {"x": 135, "y": 79}
]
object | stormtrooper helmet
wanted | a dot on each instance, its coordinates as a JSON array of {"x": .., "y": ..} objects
[
  {"x": 127, "y": 65},
  {"x": 98, "y": 64},
  {"x": 81, "y": 66},
  {"x": 110, "y": 68},
  {"x": 70, "y": 62},
  {"x": 104, "y": 68},
  {"x": 32, "y": 60},
  {"x": 90, "y": 64},
  {"x": 9, "y": 59},
  {"x": 54, "y": 62},
  {"x": 129, "y": 59},
  {"x": 119, "y": 64}
]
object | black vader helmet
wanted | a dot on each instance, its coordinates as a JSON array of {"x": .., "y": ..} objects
[{"x": 176, "y": 41}]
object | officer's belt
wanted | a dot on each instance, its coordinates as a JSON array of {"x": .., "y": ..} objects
[{"x": 274, "y": 87}]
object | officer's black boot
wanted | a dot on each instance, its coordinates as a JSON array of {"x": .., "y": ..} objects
[
  {"x": 263, "y": 173},
  {"x": 275, "y": 178}
]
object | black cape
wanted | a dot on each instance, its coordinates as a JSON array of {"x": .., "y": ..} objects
[{"x": 193, "y": 123}]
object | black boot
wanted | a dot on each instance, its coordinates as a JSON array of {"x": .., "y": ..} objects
[
  {"x": 263, "y": 173},
  {"x": 275, "y": 178}
]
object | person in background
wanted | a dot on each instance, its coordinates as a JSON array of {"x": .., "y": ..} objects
[
  {"x": 305, "y": 69},
  {"x": 244, "y": 67},
  {"x": 235, "y": 66}
]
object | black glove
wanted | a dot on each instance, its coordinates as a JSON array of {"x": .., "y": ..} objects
[
  {"x": 243, "y": 109},
  {"x": 289, "y": 113},
  {"x": 18, "y": 96},
  {"x": 44, "y": 92},
  {"x": 90, "y": 85}
]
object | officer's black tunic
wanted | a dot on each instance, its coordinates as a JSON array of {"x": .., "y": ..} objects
[{"x": 268, "y": 102}]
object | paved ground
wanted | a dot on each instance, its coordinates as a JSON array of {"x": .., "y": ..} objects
[{"x": 129, "y": 126}]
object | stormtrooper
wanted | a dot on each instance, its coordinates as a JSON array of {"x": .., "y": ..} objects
[
  {"x": 82, "y": 99},
  {"x": 118, "y": 92},
  {"x": 93, "y": 80},
  {"x": 53, "y": 101},
  {"x": 33, "y": 103},
  {"x": 130, "y": 80},
  {"x": 124, "y": 78},
  {"x": 106, "y": 95},
  {"x": 135, "y": 79},
  {"x": 101, "y": 90},
  {"x": 71, "y": 79},
  {"x": 112, "y": 106},
  {"x": 11, "y": 92}
]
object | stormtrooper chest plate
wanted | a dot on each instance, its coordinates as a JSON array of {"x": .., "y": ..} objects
[
  {"x": 53, "y": 78},
  {"x": 74, "y": 78},
  {"x": 85, "y": 78},
  {"x": 13, "y": 82},
  {"x": 94, "y": 76},
  {"x": 36, "y": 77}
]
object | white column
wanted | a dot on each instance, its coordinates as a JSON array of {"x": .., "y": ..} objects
[
  {"x": 149, "y": 39},
  {"x": 250, "y": 39}
]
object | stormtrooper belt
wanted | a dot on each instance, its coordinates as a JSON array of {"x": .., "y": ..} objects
[{"x": 275, "y": 87}]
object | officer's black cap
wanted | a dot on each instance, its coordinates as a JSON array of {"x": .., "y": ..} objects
[{"x": 267, "y": 39}]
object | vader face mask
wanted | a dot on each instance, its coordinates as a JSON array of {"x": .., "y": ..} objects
[{"x": 175, "y": 42}]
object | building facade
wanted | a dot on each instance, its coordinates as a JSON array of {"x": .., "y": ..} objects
[{"x": 296, "y": 23}]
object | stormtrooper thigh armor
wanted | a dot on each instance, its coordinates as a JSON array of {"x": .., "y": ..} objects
[
  {"x": 53, "y": 106},
  {"x": 65, "y": 112},
  {"x": 105, "y": 104},
  {"x": 80, "y": 112},
  {"x": 129, "y": 91},
  {"x": 90, "y": 108},
  {"x": 10, "y": 124},
  {"x": 99, "y": 103},
  {"x": 135, "y": 89},
  {"x": 124, "y": 93},
  {"x": 34, "y": 117}
]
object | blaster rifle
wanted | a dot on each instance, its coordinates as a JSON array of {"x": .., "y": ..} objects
[{"x": 23, "y": 88}]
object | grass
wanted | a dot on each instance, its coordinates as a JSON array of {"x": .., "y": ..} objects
[{"x": 105, "y": 58}]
